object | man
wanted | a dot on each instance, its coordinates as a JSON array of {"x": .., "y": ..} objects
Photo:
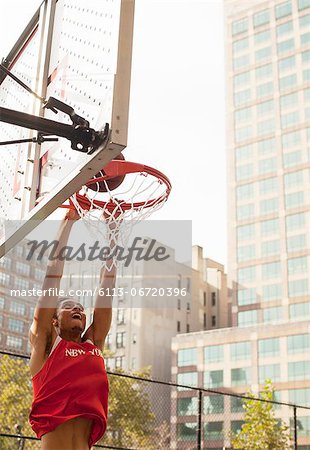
[{"x": 69, "y": 411}]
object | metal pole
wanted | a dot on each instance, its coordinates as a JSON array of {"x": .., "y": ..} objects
[
  {"x": 295, "y": 427},
  {"x": 199, "y": 421}
]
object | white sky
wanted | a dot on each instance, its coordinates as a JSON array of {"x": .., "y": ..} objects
[{"x": 177, "y": 117}]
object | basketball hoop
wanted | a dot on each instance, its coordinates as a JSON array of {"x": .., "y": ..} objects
[{"x": 112, "y": 213}]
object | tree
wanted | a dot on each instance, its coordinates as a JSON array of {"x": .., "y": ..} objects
[
  {"x": 15, "y": 398},
  {"x": 131, "y": 421},
  {"x": 261, "y": 430}
]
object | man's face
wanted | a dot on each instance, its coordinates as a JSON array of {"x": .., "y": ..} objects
[{"x": 71, "y": 316}]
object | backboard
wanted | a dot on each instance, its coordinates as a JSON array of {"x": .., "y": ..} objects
[{"x": 79, "y": 52}]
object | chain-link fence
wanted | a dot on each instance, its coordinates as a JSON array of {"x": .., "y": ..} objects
[{"x": 155, "y": 415}]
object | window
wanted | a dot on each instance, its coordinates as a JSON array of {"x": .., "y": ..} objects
[
  {"x": 267, "y": 165},
  {"x": 187, "y": 357},
  {"x": 187, "y": 328},
  {"x": 292, "y": 159},
  {"x": 204, "y": 299},
  {"x": 213, "y": 321},
  {"x": 236, "y": 404},
  {"x": 263, "y": 36},
  {"x": 266, "y": 127},
  {"x": 14, "y": 342},
  {"x": 268, "y": 186},
  {"x": 39, "y": 274},
  {"x": 306, "y": 76},
  {"x": 22, "y": 268},
  {"x": 240, "y": 376},
  {"x": 213, "y": 404},
  {"x": 305, "y": 38},
  {"x": 261, "y": 18},
  {"x": 246, "y": 253},
  {"x": 297, "y": 265},
  {"x": 303, "y": 4},
  {"x": 240, "y": 45},
  {"x": 289, "y": 100},
  {"x": 246, "y": 274},
  {"x": 214, "y": 431},
  {"x": 282, "y": 10},
  {"x": 246, "y": 232},
  {"x": 300, "y": 311},
  {"x": 264, "y": 90},
  {"x": 298, "y": 288},
  {"x": 273, "y": 315},
  {"x": 284, "y": 28},
  {"x": 187, "y": 431},
  {"x": 299, "y": 396},
  {"x": 240, "y": 26},
  {"x": 290, "y": 140},
  {"x": 4, "y": 279},
  {"x": 119, "y": 362},
  {"x": 245, "y": 191},
  {"x": 285, "y": 46},
  {"x": 298, "y": 370},
  {"x": 304, "y": 21},
  {"x": 296, "y": 243},
  {"x": 240, "y": 350},
  {"x": 120, "y": 316},
  {"x": 265, "y": 108},
  {"x": 244, "y": 133},
  {"x": 268, "y": 227},
  {"x": 269, "y": 206},
  {"x": 244, "y": 153},
  {"x": 187, "y": 379},
  {"x": 287, "y": 63},
  {"x": 290, "y": 119},
  {"x": 269, "y": 372},
  {"x": 263, "y": 72},
  {"x": 270, "y": 248},
  {"x": 246, "y": 296},
  {"x": 247, "y": 318},
  {"x": 241, "y": 61},
  {"x": 1, "y": 302},
  {"x": 242, "y": 79},
  {"x": 267, "y": 146},
  {"x": 204, "y": 321},
  {"x": 5, "y": 262},
  {"x": 299, "y": 343},
  {"x": 272, "y": 292},
  {"x": 271, "y": 270},
  {"x": 213, "y": 298},
  {"x": 213, "y": 379},
  {"x": 243, "y": 172},
  {"x": 269, "y": 347},
  {"x": 120, "y": 339},
  {"x": 178, "y": 326},
  {"x": 179, "y": 304},
  {"x": 243, "y": 115},
  {"x": 287, "y": 82},
  {"x": 294, "y": 200},
  {"x": 17, "y": 308},
  {"x": 242, "y": 97},
  {"x": 263, "y": 54},
  {"x": 187, "y": 406},
  {"x": 16, "y": 325},
  {"x": 305, "y": 57},
  {"x": 245, "y": 211},
  {"x": 213, "y": 354},
  {"x": 21, "y": 284},
  {"x": 295, "y": 221}
]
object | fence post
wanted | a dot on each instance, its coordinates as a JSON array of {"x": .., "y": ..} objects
[
  {"x": 295, "y": 427},
  {"x": 199, "y": 420}
]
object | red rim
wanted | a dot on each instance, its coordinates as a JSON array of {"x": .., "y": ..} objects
[{"x": 117, "y": 168}]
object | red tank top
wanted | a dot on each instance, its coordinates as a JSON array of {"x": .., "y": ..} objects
[{"x": 72, "y": 383}]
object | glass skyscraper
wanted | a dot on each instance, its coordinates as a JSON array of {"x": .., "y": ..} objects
[{"x": 268, "y": 106}]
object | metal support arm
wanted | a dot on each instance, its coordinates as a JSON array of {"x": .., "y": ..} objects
[{"x": 83, "y": 139}]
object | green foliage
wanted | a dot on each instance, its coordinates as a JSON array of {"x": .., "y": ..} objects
[
  {"x": 131, "y": 421},
  {"x": 15, "y": 398},
  {"x": 261, "y": 430}
]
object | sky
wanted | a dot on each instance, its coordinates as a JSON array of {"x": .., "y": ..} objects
[{"x": 177, "y": 110}]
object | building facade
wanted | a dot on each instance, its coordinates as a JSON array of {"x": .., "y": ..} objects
[{"x": 268, "y": 111}]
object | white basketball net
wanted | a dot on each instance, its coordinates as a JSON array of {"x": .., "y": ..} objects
[{"x": 134, "y": 200}]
